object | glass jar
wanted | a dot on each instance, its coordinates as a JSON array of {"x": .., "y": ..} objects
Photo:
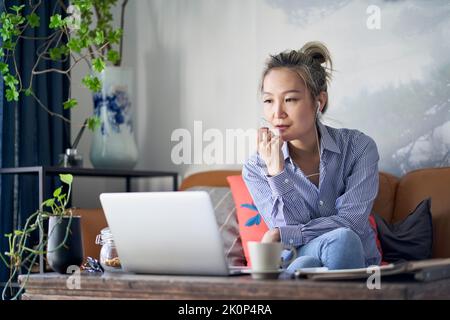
[{"x": 109, "y": 259}]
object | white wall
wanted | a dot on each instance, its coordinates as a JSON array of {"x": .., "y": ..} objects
[
  {"x": 87, "y": 189},
  {"x": 202, "y": 67},
  {"x": 201, "y": 60}
]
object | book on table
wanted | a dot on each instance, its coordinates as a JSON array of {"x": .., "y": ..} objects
[{"x": 423, "y": 270}]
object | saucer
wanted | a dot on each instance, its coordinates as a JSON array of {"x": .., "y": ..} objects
[{"x": 264, "y": 274}]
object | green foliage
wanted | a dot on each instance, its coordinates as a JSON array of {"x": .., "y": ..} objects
[
  {"x": 69, "y": 104},
  {"x": 3, "y": 68},
  {"x": 12, "y": 94},
  {"x": 34, "y": 20},
  {"x": 17, "y": 9},
  {"x": 113, "y": 56},
  {"x": 56, "y": 21},
  {"x": 99, "y": 37},
  {"x": 93, "y": 123},
  {"x": 98, "y": 65},
  {"x": 92, "y": 83},
  {"x": 114, "y": 36},
  {"x": 66, "y": 178},
  {"x": 88, "y": 39}
]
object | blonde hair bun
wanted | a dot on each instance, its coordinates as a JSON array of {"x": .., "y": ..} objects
[{"x": 318, "y": 52}]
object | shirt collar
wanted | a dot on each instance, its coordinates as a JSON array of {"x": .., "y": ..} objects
[{"x": 327, "y": 142}]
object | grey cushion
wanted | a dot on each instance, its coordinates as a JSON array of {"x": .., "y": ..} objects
[
  {"x": 225, "y": 210},
  {"x": 409, "y": 239}
]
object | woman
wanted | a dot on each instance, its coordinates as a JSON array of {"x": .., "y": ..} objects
[{"x": 313, "y": 185}]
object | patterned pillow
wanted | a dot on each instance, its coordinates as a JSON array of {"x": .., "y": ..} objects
[
  {"x": 222, "y": 201},
  {"x": 251, "y": 226}
]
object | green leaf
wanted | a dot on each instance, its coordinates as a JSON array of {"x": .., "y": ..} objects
[
  {"x": 71, "y": 103},
  {"x": 34, "y": 20},
  {"x": 8, "y": 235},
  {"x": 93, "y": 123},
  {"x": 12, "y": 94},
  {"x": 28, "y": 92},
  {"x": 55, "y": 54},
  {"x": 114, "y": 36},
  {"x": 74, "y": 44},
  {"x": 99, "y": 38},
  {"x": 10, "y": 80},
  {"x": 86, "y": 42},
  {"x": 6, "y": 34},
  {"x": 98, "y": 64},
  {"x": 57, "y": 192},
  {"x": 17, "y": 9},
  {"x": 66, "y": 178},
  {"x": 64, "y": 49},
  {"x": 49, "y": 202},
  {"x": 84, "y": 30},
  {"x": 113, "y": 56},
  {"x": 92, "y": 83},
  {"x": 56, "y": 21},
  {"x": 18, "y": 233},
  {"x": 84, "y": 5},
  {"x": 8, "y": 44},
  {"x": 4, "y": 68}
]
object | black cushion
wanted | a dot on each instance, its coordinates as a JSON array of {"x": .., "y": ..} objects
[{"x": 409, "y": 239}]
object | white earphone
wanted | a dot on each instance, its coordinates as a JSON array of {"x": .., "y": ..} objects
[{"x": 318, "y": 109}]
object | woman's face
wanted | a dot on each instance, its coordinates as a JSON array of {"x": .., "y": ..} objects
[{"x": 287, "y": 102}]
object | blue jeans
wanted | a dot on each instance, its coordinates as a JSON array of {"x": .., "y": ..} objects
[{"x": 337, "y": 249}]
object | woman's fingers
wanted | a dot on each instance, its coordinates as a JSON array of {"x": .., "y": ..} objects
[
  {"x": 262, "y": 138},
  {"x": 263, "y": 134},
  {"x": 269, "y": 148},
  {"x": 275, "y": 141}
]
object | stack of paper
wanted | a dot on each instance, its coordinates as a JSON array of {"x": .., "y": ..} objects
[{"x": 424, "y": 270}]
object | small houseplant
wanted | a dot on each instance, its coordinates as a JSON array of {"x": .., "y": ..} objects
[{"x": 62, "y": 243}]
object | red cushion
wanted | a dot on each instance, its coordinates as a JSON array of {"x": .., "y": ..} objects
[
  {"x": 245, "y": 214},
  {"x": 373, "y": 224}
]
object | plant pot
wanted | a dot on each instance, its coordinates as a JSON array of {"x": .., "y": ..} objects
[
  {"x": 113, "y": 143},
  {"x": 59, "y": 256}
]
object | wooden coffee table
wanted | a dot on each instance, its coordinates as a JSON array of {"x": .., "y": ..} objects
[{"x": 130, "y": 286}]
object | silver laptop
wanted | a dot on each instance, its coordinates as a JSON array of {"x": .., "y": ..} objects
[{"x": 166, "y": 233}]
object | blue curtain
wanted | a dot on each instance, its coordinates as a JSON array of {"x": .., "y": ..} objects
[{"x": 29, "y": 135}]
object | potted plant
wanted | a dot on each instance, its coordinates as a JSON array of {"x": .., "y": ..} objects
[
  {"x": 62, "y": 243},
  {"x": 85, "y": 34},
  {"x": 65, "y": 246}
]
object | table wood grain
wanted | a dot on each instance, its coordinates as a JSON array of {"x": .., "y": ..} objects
[{"x": 132, "y": 286}]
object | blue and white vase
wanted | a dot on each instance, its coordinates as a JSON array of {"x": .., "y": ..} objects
[{"x": 113, "y": 144}]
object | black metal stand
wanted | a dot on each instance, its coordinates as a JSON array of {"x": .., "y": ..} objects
[{"x": 44, "y": 171}]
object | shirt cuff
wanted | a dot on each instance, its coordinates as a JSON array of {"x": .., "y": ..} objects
[
  {"x": 281, "y": 183},
  {"x": 291, "y": 235}
]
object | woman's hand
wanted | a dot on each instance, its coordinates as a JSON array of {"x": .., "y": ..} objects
[
  {"x": 269, "y": 148},
  {"x": 272, "y": 236}
]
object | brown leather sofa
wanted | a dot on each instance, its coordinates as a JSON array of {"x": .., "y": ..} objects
[{"x": 397, "y": 197}]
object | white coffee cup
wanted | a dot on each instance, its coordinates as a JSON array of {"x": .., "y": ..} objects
[{"x": 266, "y": 256}]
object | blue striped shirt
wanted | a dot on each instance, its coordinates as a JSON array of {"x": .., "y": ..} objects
[{"x": 347, "y": 188}]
